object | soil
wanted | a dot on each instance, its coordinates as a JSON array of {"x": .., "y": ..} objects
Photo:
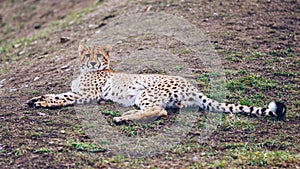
[{"x": 36, "y": 37}]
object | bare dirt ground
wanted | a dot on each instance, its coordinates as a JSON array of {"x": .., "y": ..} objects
[{"x": 258, "y": 42}]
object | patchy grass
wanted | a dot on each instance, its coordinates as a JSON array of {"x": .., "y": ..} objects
[
  {"x": 251, "y": 81},
  {"x": 43, "y": 150},
  {"x": 237, "y": 124},
  {"x": 89, "y": 147},
  {"x": 34, "y": 92},
  {"x": 258, "y": 158},
  {"x": 112, "y": 113},
  {"x": 234, "y": 56},
  {"x": 254, "y": 55},
  {"x": 286, "y": 73}
]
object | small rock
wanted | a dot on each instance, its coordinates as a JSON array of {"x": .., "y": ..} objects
[
  {"x": 64, "y": 67},
  {"x": 12, "y": 90},
  {"x": 21, "y": 53},
  {"x": 119, "y": 42},
  {"x": 17, "y": 45},
  {"x": 195, "y": 159},
  {"x": 42, "y": 56},
  {"x": 91, "y": 25},
  {"x": 36, "y": 78},
  {"x": 215, "y": 14},
  {"x": 41, "y": 114},
  {"x": 24, "y": 86},
  {"x": 34, "y": 42},
  {"x": 51, "y": 142},
  {"x": 2, "y": 82},
  {"x": 98, "y": 31},
  {"x": 71, "y": 22},
  {"x": 62, "y": 131},
  {"x": 64, "y": 39},
  {"x": 202, "y": 154}
]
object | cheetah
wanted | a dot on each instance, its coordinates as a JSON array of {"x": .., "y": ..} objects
[{"x": 151, "y": 93}]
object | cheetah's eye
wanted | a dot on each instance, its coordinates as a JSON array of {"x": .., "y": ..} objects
[
  {"x": 99, "y": 55},
  {"x": 87, "y": 55}
]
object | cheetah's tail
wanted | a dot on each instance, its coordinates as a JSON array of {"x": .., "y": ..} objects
[{"x": 275, "y": 109}]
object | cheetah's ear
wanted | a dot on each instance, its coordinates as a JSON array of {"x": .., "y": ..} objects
[
  {"x": 107, "y": 49},
  {"x": 80, "y": 49}
]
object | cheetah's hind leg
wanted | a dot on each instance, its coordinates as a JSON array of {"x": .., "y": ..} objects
[{"x": 141, "y": 116}]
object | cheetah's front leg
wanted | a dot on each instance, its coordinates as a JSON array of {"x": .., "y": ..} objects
[
  {"x": 54, "y": 100},
  {"x": 147, "y": 115}
]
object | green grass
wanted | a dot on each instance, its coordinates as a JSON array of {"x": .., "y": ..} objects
[
  {"x": 130, "y": 130},
  {"x": 185, "y": 51},
  {"x": 286, "y": 73},
  {"x": 178, "y": 67},
  {"x": 274, "y": 143},
  {"x": 34, "y": 135},
  {"x": 253, "y": 100},
  {"x": 236, "y": 73},
  {"x": 237, "y": 124},
  {"x": 112, "y": 113},
  {"x": 43, "y": 150},
  {"x": 251, "y": 81},
  {"x": 234, "y": 56},
  {"x": 254, "y": 55},
  {"x": 81, "y": 146},
  {"x": 289, "y": 52},
  {"x": 262, "y": 158},
  {"x": 33, "y": 92}
]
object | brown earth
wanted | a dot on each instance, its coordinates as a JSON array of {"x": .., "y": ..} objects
[{"x": 253, "y": 38}]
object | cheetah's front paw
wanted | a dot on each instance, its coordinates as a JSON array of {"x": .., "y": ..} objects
[
  {"x": 36, "y": 102},
  {"x": 46, "y": 101}
]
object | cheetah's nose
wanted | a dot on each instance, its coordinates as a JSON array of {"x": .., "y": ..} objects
[{"x": 93, "y": 63}]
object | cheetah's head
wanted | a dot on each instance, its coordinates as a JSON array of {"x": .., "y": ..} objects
[{"x": 94, "y": 57}]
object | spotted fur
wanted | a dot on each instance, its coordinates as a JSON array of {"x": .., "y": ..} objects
[{"x": 152, "y": 93}]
